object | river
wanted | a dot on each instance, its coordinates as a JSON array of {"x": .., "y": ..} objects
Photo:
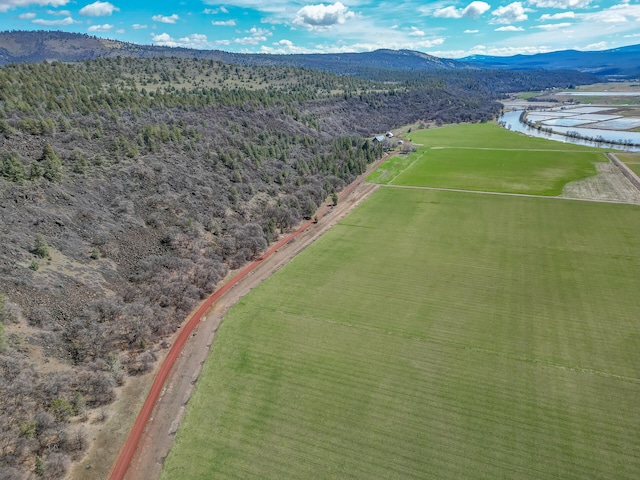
[{"x": 512, "y": 122}]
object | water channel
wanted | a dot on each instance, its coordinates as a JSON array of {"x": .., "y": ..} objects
[{"x": 512, "y": 122}]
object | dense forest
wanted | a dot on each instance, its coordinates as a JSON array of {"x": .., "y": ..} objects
[{"x": 129, "y": 188}]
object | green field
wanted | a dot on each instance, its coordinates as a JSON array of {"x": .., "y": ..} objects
[
  {"x": 632, "y": 160},
  {"x": 635, "y": 167},
  {"x": 485, "y": 157},
  {"x": 432, "y": 334},
  {"x": 488, "y": 135}
]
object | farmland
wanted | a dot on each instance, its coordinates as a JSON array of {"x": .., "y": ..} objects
[
  {"x": 487, "y": 158},
  {"x": 632, "y": 160},
  {"x": 432, "y": 334}
]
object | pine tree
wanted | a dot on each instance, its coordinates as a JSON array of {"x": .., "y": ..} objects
[{"x": 52, "y": 164}]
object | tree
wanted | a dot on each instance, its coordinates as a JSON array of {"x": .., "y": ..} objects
[
  {"x": 52, "y": 164},
  {"x": 334, "y": 198},
  {"x": 36, "y": 171},
  {"x": 61, "y": 409},
  {"x": 13, "y": 169},
  {"x": 40, "y": 247}
]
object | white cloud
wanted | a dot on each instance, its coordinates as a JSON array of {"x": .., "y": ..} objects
[
  {"x": 471, "y": 31},
  {"x": 137, "y": 26},
  {"x": 633, "y": 35},
  {"x": 448, "y": 12},
  {"x": 6, "y": 5},
  {"x": 286, "y": 47},
  {"x": 54, "y": 23},
  {"x": 514, "y": 12},
  {"x": 321, "y": 16},
  {"x": 473, "y": 10},
  {"x": 100, "y": 28},
  {"x": 59, "y": 13},
  {"x": 508, "y": 51},
  {"x": 226, "y": 23},
  {"x": 416, "y": 32},
  {"x": 399, "y": 41},
  {"x": 596, "y": 46},
  {"x": 98, "y": 9},
  {"x": 215, "y": 11},
  {"x": 195, "y": 40},
  {"x": 121, "y": 30},
  {"x": 553, "y": 26},
  {"x": 27, "y": 16},
  {"x": 621, "y": 13},
  {"x": 430, "y": 43},
  {"x": 163, "y": 39},
  {"x": 257, "y": 35},
  {"x": 166, "y": 19},
  {"x": 557, "y": 16},
  {"x": 494, "y": 51},
  {"x": 562, "y": 4},
  {"x": 509, "y": 28}
]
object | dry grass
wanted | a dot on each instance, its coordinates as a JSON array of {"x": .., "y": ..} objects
[{"x": 609, "y": 184}]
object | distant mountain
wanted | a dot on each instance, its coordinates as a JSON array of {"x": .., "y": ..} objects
[
  {"x": 623, "y": 62},
  {"x": 381, "y": 59},
  {"x": 37, "y": 46}
]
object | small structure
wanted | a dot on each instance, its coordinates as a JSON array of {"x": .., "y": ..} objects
[
  {"x": 389, "y": 134},
  {"x": 379, "y": 139}
]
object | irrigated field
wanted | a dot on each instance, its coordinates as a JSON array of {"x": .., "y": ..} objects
[
  {"x": 632, "y": 160},
  {"x": 486, "y": 157},
  {"x": 433, "y": 335}
]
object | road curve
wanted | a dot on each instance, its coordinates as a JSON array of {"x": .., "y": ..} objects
[{"x": 125, "y": 456}]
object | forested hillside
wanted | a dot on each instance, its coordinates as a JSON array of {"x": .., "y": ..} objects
[
  {"x": 128, "y": 189},
  {"x": 383, "y": 65}
]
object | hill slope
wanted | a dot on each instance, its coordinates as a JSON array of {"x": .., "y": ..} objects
[
  {"x": 36, "y": 46},
  {"x": 43, "y": 45}
]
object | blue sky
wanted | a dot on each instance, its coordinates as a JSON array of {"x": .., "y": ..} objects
[{"x": 446, "y": 28}]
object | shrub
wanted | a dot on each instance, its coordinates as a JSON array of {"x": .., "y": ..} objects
[{"x": 40, "y": 247}]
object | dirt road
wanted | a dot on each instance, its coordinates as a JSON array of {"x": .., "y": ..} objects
[{"x": 153, "y": 433}]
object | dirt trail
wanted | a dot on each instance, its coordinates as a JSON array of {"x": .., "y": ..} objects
[
  {"x": 153, "y": 433},
  {"x": 626, "y": 171}
]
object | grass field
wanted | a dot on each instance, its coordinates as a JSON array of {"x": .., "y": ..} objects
[
  {"x": 433, "y": 335},
  {"x": 488, "y": 135},
  {"x": 632, "y": 160},
  {"x": 491, "y": 159}
]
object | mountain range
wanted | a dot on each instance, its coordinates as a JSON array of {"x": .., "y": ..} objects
[
  {"x": 36, "y": 46},
  {"x": 623, "y": 62}
]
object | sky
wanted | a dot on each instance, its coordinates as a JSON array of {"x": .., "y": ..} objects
[{"x": 445, "y": 28}]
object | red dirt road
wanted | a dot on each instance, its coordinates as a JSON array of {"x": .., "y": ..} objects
[{"x": 126, "y": 455}]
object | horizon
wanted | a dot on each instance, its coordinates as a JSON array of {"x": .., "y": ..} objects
[
  {"x": 445, "y": 29},
  {"x": 311, "y": 53}
]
